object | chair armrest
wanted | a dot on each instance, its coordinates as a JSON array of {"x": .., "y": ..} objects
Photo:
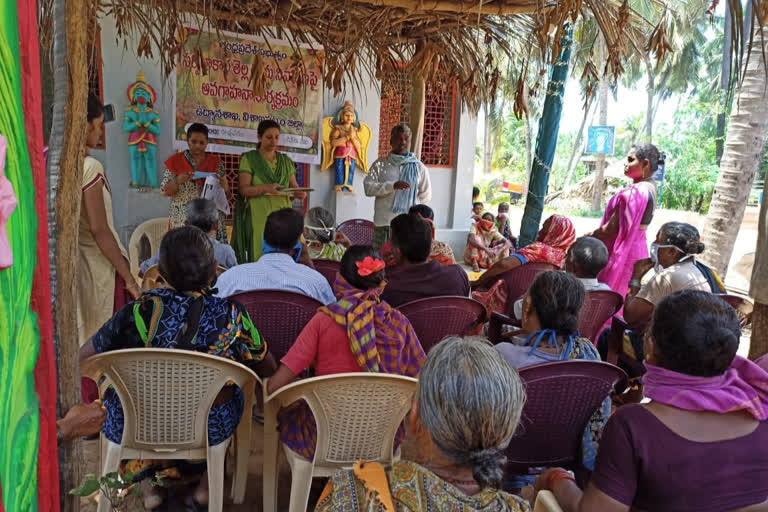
[{"x": 494, "y": 326}]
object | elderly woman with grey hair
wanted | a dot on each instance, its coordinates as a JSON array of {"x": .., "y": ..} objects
[
  {"x": 466, "y": 409},
  {"x": 323, "y": 241}
]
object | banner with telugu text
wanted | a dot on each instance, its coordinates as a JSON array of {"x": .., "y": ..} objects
[{"x": 224, "y": 100}]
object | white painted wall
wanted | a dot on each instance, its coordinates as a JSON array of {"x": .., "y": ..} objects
[{"x": 451, "y": 194}]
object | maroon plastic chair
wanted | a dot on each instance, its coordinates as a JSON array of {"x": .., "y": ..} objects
[
  {"x": 279, "y": 316},
  {"x": 434, "y": 318},
  {"x": 519, "y": 279},
  {"x": 329, "y": 269},
  {"x": 359, "y": 231},
  {"x": 560, "y": 399},
  {"x": 599, "y": 306}
]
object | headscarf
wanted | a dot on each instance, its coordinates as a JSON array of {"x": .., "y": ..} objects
[
  {"x": 409, "y": 172},
  {"x": 553, "y": 244},
  {"x": 376, "y": 331},
  {"x": 743, "y": 387}
]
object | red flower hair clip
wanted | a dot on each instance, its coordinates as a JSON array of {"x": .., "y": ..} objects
[{"x": 369, "y": 266}]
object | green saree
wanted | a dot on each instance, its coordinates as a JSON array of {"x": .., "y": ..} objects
[{"x": 251, "y": 214}]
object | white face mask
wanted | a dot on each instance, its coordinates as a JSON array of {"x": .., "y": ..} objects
[{"x": 654, "y": 253}]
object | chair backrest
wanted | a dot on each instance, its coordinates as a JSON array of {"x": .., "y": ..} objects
[
  {"x": 329, "y": 269},
  {"x": 357, "y": 414},
  {"x": 359, "y": 231},
  {"x": 278, "y": 315},
  {"x": 434, "y": 318},
  {"x": 519, "y": 279},
  {"x": 152, "y": 279},
  {"x": 599, "y": 306},
  {"x": 145, "y": 241},
  {"x": 561, "y": 397},
  {"x": 166, "y": 394},
  {"x": 742, "y": 305}
]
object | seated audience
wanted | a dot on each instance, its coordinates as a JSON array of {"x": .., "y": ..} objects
[
  {"x": 550, "y": 333},
  {"x": 440, "y": 252},
  {"x": 485, "y": 245},
  {"x": 475, "y": 194},
  {"x": 502, "y": 223},
  {"x": 673, "y": 260},
  {"x": 413, "y": 276},
  {"x": 702, "y": 442},
  {"x": 357, "y": 333},
  {"x": 477, "y": 210},
  {"x": 158, "y": 319},
  {"x": 279, "y": 267},
  {"x": 203, "y": 214},
  {"x": 585, "y": 259},
  {"x": 323, "y": 241},
  {"x": 466, "y": 409},
  {"x": 555, "y": 237}
]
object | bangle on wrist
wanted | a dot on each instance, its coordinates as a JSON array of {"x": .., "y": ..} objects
[{"x": 555, "y": 475}]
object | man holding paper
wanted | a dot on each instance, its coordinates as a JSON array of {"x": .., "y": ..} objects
[{"x": 186, "y": 173}]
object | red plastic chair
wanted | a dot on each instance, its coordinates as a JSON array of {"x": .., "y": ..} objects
[
  {"x": 359, "y": 231},
  {"x": 560, "y": 399},
  {"x": 599, "y": 306},
  {"x": 329, "y": 269},
  {"x": 434, "y": 318},
  {"x": 279, "y": 316}
]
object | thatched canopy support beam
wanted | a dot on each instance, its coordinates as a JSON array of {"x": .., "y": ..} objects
[{"x": 489, "y": 8}]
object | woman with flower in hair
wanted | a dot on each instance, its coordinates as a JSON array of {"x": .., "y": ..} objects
[{"x": 357, "y": 333}]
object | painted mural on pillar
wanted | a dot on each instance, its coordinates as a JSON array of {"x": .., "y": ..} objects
[
  {"x": 345, "y": 146},
  {"x": 142, "y": 122}
]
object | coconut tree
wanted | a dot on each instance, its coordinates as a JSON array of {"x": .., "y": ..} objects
[
  {"x": 759, "y": 287},
  {"x": 744, "y": 143}
]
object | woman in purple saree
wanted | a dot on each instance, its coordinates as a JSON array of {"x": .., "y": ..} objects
[{"x": 627, "y": 217}]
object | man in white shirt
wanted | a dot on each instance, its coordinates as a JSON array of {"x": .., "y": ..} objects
[
  {"x": 398, "y": 182},
  {"x": 279, "y": 267},
  {"x": 585, "y": 259}
]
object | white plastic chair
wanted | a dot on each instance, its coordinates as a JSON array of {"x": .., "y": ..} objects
[
  {"x": 153, "y": 229},
  {"x": 166, "y": 397},
  {"x": 546, "y": 502},
  {"x": 357, "y": 417}
]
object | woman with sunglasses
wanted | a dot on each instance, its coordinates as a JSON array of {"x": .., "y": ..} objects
[{"x": 627, "y": 217}]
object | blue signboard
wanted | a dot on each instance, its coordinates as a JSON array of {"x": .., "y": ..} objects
[{"x": 600, "y": 140}]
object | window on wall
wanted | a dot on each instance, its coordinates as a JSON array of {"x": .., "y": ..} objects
[
  {"x": 439, "y": 121},
  {"x": 95, "y": 80}
]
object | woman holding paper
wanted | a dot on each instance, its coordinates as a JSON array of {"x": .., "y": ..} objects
[
  {"x": 263, "y": 174},
  {"x": 185, "y": 174}
]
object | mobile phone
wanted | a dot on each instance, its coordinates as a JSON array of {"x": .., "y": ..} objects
[{"x": 109, "y": 113}]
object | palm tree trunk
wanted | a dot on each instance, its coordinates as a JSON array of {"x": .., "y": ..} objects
[
  {"x": 66, "y": 145},
  {"x": 487, "y": 144},
  {"x": 597, "y": 187},
  {"x": 725, "y": 79},
  {"x": 576, "y": 146},
  {"x": 758, "y": 289},
  {"x": 744, "y": 144},
  {"x": 650, "y": 95},
  {"x": 528, "y": 147}
]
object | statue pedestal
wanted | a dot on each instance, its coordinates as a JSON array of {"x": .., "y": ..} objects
[{"x": 353, "y": 205}]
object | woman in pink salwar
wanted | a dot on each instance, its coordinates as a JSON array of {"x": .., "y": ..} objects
[{"x": 627, "y": 216}]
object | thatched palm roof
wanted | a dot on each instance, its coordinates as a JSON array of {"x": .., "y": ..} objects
[{"x": 363, "y": 39}]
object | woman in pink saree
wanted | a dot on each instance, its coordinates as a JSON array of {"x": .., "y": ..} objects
[{"x": 627, "y": 217}]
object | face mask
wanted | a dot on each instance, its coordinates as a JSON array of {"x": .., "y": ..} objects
[
  {"x": 268, "y": 249},
  {"x": 655, "y": 255}
]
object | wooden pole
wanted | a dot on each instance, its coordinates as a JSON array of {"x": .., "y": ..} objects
[
  {"x": 597, "y": 187},
  {"x": 492, "y": 8},
  {"x": 416, "y": 111},
  {"x": 65, "y": 167}
]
